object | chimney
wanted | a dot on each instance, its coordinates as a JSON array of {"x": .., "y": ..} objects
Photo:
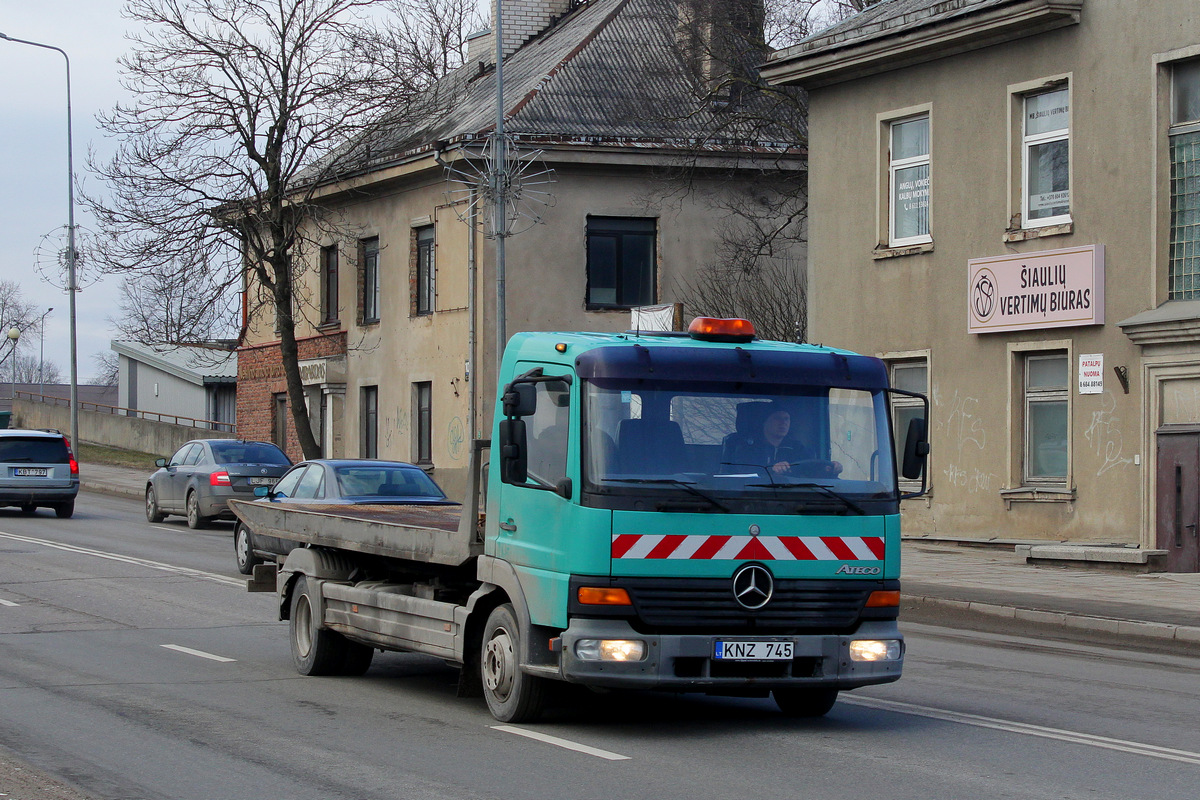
[{"x": 523, "y": 19}]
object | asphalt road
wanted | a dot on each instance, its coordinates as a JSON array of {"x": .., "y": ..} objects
[{"x": 133, "y": 664}]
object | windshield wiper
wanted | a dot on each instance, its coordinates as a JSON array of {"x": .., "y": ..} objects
[
  {"x": 687, "y": 486},
  {"x": 825, "y": 490}
]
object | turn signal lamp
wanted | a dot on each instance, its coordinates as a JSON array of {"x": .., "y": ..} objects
[
  {"x": 603, "y": 596},
  {"x": 714, "y": 329},
  {"x": 220, "y": 478},
  {"x": 610, "y": 650},
  {"x": 884, "y": 599}
]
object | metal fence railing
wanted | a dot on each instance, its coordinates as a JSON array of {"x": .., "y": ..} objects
[{"x": 154, "y": 416}]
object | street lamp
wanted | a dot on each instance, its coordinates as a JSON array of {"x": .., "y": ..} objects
[
  {"x": 14, "y": 334},
  {"x": 42, "y": 355},
  {"x": 71, "y": 255}
]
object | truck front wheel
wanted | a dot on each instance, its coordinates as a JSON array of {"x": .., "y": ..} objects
[
  {"x": 315, "y": 650},
  {"x": 512, "y": 695},
  {"x": 805, "y": 702}
]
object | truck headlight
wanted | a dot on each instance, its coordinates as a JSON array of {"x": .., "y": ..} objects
[
  {"x": 875, "y": 650},
  {"x": 610, "y": 650}
]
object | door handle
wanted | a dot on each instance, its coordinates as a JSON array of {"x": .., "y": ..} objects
[{"x": 509, "y": 526}]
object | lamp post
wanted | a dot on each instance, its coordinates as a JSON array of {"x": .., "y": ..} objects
[
  {"x": 42, "y": 354},
  {"x": 14, "y": 334},
  {"x": 70, "y": 240}
]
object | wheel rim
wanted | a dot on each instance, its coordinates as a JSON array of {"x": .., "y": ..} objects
[
  {"x": 304, "y": 625},
  {"x": 243, "y": 545},
  {"x": 151, "y": 505},
  {"x": 193, "y": 509},
  {"x": 499, "y": 664}
]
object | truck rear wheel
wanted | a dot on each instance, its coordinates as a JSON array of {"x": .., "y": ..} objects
[
  {"x": 315, "y": 650},
  {"x": 512, "y": 695},
  {"x": 805, "y": 702}
]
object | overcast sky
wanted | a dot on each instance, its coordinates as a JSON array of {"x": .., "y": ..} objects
[{"x": 33, "y": 144}]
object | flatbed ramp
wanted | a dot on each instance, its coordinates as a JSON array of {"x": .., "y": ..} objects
[{"x": 428, "y": 534}]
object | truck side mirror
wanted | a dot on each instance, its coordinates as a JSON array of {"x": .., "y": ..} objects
[
  {"x": 514, "y": 455},
  {"x": 520, "y": 400},
  {"x": 916, "y": 448}
]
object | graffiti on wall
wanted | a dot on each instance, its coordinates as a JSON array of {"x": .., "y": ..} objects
[
  {"x": 967, "y": 436},
  {"x": 1104, "y": 436}
]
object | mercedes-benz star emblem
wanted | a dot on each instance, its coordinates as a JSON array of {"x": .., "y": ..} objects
[{"x": 753, "y": 586}]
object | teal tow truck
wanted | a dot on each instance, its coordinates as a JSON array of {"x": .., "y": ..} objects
[{"x": 644, "y": 526}]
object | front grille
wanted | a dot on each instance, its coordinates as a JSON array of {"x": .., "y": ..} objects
[{"x": 708, "y": 605}]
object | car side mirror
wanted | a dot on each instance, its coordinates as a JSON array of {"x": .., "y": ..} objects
[
  {"x": 262, "y": 491},
  {"x": 160, "y": 462},
  {"x": 514, "y": 455},
  {"x": 520, "y": 400},
  {"x": 916, "y": 449}
]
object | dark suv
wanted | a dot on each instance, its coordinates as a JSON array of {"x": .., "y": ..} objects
[{"x": 37, "y": 468}]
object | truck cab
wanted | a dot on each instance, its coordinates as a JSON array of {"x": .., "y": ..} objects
[{"x": 700, "y": 512}]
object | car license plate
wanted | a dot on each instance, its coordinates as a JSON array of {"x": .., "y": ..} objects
[
  {"x": 745, "y": 650},
  {"x": 31, "y": 472},
  {"x": 263, "y": 481}
]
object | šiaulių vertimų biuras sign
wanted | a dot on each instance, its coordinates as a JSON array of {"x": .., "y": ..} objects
[{"x": 1031, "y": 291}]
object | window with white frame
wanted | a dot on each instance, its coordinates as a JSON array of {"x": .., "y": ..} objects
[
  {"x": 908, "y": 181},
  {"x": 1184, "y": 143},
  {"x": 1047, "y": 394},
  {"x": 1046, "y": 148}
]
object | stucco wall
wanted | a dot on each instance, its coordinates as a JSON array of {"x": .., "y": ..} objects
[{"x": 919, "y": 302}]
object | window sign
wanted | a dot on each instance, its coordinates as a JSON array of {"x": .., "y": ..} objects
[
  {"x": 1047, "y": 158},
  {"x": 1091, "y": 373},
  {"x": 910, "y": 182}
]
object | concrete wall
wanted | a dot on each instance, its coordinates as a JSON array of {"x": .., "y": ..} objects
[
  {"x": 917, "y": 302},
  {"x": 113, "y": 430}
]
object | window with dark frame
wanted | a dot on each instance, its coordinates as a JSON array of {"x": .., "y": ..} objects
[
  {"x": 426, "y": 271},
  {"x": 329, "y": 285},
  {"x": 279, "y": 416},
  {"x": 910, "y": 375},
  {"x": 621, "y": 262},
  {"x": 423, "y": 422},
  {"x": 369, "y": 254},
  {"x": 369, "y": 422}
]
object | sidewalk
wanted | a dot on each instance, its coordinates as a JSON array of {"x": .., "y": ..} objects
[{"x": 946, "y": 578}]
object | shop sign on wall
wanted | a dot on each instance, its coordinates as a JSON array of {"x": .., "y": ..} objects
[{"x": 1031, "y": 291}]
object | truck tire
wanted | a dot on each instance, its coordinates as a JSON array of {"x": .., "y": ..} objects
[
  {"x": 195, "y": 519},
  {"x": 805, "y": 702},
  {"x": 315, "y": 650},
  {"x": 153, "y": 512},
  {"x": 512, "y": 695},
  {"x": 356, "y": 659},
  {"x": 243, "y": 549}
]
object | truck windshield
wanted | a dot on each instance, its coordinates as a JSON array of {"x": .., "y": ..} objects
[{"x": 717, "y": 447}]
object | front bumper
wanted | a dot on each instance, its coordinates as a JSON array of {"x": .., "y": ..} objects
[{"x": 685, "y": 662}]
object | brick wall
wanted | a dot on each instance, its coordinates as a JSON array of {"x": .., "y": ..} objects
[
  {"x": 523, "y": 19},
  {"x": 260, "y": 378}
]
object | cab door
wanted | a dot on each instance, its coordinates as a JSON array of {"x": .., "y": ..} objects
[{"x": 536, "y": 516}]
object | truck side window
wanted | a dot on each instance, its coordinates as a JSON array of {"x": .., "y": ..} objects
[{"x": 548, "y": 433}]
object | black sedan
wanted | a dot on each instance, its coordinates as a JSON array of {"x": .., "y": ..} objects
[
  {"x": 336, "y": 482},
  {"x": 205, "y": 474}
]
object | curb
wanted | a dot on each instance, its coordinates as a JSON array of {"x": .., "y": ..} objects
[
  {"x": 108, "y": 488},
  {"x": 1183, "y": 635}
]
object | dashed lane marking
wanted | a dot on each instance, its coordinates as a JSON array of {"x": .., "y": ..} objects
[
  {"x": 198, "y": 653},
  {"x": 566, "y": 744}
]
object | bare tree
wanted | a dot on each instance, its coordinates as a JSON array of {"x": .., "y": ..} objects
[
  {"x": 242, "y": 110},
  {"x": 107, "y": 368},
  {"x": 31, "y": 369},
  {"x": 14, "y": 311},
  {"x": 180, "y": 307}
]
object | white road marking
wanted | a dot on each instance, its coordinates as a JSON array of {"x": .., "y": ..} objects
[
  {"x": 1072, "y": 737},
  {"x": 8, "y": 603},
  {"x": 564, "y": 743},
  {"x": 198, "y": 653},
  {"x": 141, "y": 562}
]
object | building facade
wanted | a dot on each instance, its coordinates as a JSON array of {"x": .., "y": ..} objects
[
  {"x": 1005, "y": 202},
  {"x": 196, "y": 385},
  {"x": 399, "y": 312}
]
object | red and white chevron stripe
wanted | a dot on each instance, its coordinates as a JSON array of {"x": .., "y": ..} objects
[{"x": 737, "y": 548}]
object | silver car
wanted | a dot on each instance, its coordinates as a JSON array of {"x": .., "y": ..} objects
[
  {"x": 205, "y": 474},
  {"x": 37, "y": 468}
]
